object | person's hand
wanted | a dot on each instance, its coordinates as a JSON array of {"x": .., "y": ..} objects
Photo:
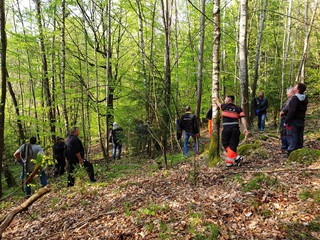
[{"x": 245, "y": 132}]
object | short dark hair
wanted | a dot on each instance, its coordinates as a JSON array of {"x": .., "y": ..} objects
[
  {"x": 33, "y": 140},
  {"x": 301, "y": 87},
  {"x": 231, "y": 97},
  {"x": 188, "y": 108},
  {"x": 73, "y": 129}
]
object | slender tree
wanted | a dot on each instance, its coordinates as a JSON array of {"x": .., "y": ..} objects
[
  {"x": 243, "y": 56},
  {"x": 63, "y": 67},
  {"x": 257, "y": 58},
  {"x": 200, "y": 58},
  {"x": 3, "y": 83},
  {"x": 301, "y": 72},
  {"x": 214, "y": 145},
  {"x": 45, "y": 73}
]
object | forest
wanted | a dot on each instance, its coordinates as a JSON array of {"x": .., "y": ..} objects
[{"x": 90, "y": 63}]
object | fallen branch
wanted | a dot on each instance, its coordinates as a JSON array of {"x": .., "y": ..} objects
[{"x": 23, "y": 207}]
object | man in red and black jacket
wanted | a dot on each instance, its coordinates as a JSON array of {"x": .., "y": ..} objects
[
  {"x": 231, "y": 130},
  {"x": 188, "y": 123}
]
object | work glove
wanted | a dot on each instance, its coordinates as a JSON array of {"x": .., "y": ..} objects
[{"x": 257, "y": 112}]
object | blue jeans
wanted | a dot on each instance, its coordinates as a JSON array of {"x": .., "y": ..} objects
[
  {"x": 295, "y": 136},
  {"x": 185, "y": 143},
  {"x": 43, "y": 180},
  {"x": 114, "y": 153},
  {"x": 261, "y": 121}
]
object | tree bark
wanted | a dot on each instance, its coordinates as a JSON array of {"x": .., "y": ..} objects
[
  {"x": 301, "y": 72},
  {"x": 45, "y": 78},
  {"x": 63, "y": 67},
  {"x": 257, "y": 60},
  {"x": 214, "y": 151},
  {"x": 3, "y": 82},
  {"x": 200, "y": 59},
  {"x": 243, "y": 55},
  {"x": 286, "y": 43}
]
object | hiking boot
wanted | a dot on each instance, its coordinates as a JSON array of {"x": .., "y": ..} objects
[{"x": 238, "y": 160}]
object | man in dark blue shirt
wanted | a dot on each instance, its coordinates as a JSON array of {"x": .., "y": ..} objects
[{"x": 75, "y": 156}]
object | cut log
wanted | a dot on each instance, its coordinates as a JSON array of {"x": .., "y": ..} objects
[{"x": 23, "y": 207}]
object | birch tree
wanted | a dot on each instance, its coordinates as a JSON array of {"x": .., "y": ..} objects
[
  {"x": 214, "y": 145},
  {"x": 243, "y": 56}
]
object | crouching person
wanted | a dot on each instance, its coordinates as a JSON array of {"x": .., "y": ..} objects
[
  {"x": 231, "y": 130},
  {"x": 24, "y": 155}
]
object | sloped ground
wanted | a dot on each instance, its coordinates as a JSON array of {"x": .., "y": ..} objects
[{"x": 263, "y": 199}]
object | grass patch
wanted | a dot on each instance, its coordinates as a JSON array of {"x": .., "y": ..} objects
[
  {"x": 303, "y": 231},
  {"x": 258, "y": 181},
  {"x": 306, "y": 194}
]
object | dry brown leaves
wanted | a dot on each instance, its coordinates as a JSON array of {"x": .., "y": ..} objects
[{"x": 166, "y": 205}]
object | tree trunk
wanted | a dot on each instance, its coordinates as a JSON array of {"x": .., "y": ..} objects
[
  {"x": 3, "y": 83},
  {"x": 214, "y": 150},
  {"x": 45, "y": 77},
  {"x": 301, "y": 72},
  {"x": 286, "y": 41},
  {"x": 243, "y": 55},
  {"x": 257, "y": 60},
  {"x": 63, "y": 68},
  {"x": 166, "y": 16},
  {"x": 200, "y": 59},
  {"x": 109, "y": 87}
]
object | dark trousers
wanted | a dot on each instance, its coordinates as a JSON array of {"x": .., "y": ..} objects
[
  {"x": 283, "y": 135},
  {"x": 72, "y": 165},
  {"x": 295, "y": 136},
  {"x": 230, "y": 137},
  {"x": 59, "y": 167}
]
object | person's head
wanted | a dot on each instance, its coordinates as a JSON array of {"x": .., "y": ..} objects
[
  {"x": 188, "y": 108},
  {"x": 229, "y": 99},
  {"x": 300, "y": 88},
  {"x": 74, "y": 131},
  {"x": 59, "y": 139},
  {"x": 260, "y": 94},
  {"x": 290, "y": 92},
  {"x": 115, "y": 125},
  {"x": 33, "y": 140}
]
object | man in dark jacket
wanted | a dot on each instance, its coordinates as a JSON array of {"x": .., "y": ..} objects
[
  {"x": 59, "y": 155},
  {"x": 116, "y": 138},
  {"x": 283, "y": 116},
  {"x": 260, "y": 108},
  {"x": 296, "y": 117},
  {"x": 189, "y": 125},
  {"x": 75, "y": 156}
]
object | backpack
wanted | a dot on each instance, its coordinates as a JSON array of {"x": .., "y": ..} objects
[{"x": 26, "y": 155}]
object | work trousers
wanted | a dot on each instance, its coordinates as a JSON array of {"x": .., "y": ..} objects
[{"x": 72, "y": 165}]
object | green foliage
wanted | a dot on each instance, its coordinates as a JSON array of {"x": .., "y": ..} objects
[{"x": 304, "y": 156}]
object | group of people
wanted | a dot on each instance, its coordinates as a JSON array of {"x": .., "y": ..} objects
[
  {"x": 72, "y": 150},
  {"x": 292, "y": 123}
]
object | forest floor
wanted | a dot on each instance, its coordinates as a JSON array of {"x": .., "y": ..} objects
[{"x": 268, "y": 197}]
